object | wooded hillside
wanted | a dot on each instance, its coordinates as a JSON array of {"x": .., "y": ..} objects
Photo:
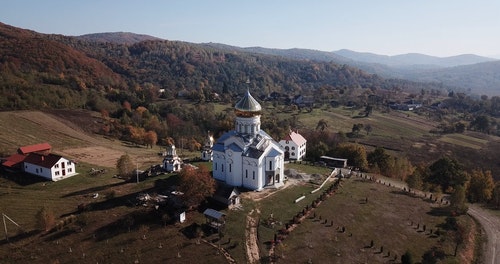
[{"x": 55, "y": 71}]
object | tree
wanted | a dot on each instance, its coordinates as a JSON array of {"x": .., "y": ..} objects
[
  {"x": 368, "y": 128},
  {"x": 480, "y": 187},
  {"x": 322, "y": 125},
  {"x": 125, "y": 166},
  {"x": 457, "y": 200},
  {"x": 447, "y": 172},
  {"x": 45, "y": 219},
  {"x": 496, "y": 195},
  {"x": 415, "y": 181},
  {"x": 354, "y": 153},
  {"x": 481, "y": 123},
  {"x": 379, "y": 158},
  {"x": 368, "y": 110},
  {"x": 356, "y": 128},
  {"x": 150, "y": 138},
  {"x": 196, "y": 184}
]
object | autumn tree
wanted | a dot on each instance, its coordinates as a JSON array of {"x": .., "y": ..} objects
[
  {"x": 415, "y": 180},
  {"x": 354, "y": 153},
  {"x": 125, "y": 166},
  {"x": 150, "y": 138},
  {"x": 480, "y": 187},
  {"x": 458, "y": 199},
  {"x": 193, "y": 145},
  {"x": 45, "y": 219},
  {"x": 197, "y": 184}
]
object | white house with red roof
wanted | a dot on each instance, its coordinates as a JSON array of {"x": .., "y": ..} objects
[
  {"x": 15, "y": 161},
  {"x": 37, "y": 160},
  {"x": 295, "y": 146},
  {"x": 52, "y": 167},
  {"x": 42, "y": 148}
]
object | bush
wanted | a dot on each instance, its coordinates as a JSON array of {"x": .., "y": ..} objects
[{"x": 407, "y": 258}]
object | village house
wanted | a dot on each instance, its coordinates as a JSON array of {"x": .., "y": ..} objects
[
  {"x": 52, "y": 167},
  {"x": 37, "y": 160},
  {"x": 294, "y": 145}
]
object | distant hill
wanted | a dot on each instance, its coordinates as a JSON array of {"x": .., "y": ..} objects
[
  {"x": 412, "y": 59},
  {"x": 117, "y": 37},
  {"x": 46, "y": 70},
  {"x": 37, "y": 71},
  {"x": 470, "y": 73},
  {"x": 480, "y": 78}
]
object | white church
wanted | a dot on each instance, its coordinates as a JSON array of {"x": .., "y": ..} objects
[{"x": 247, "y": 156}]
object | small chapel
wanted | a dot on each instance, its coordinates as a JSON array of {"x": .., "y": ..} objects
[{"x": 247, "y": 156}]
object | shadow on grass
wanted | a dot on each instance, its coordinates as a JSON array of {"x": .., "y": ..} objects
[
  {"x": 19, "y": 237},
  {"x": 133, "y": 221},
  {"x": 93, "y": 189},
  {"x": 23, "y": 179},
  {"x": 440, "y": 211},
  {"x": 59, "y": 234}
]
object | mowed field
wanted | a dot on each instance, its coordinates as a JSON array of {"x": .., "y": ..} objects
[{"x": 32, "y": 127}]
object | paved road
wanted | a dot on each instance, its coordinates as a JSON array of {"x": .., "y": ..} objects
[{"x": 491, "y": 225}]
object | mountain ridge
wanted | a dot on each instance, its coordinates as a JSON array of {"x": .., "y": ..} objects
[{"x": 409, "y": 59}]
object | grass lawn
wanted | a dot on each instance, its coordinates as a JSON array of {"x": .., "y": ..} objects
[
  {"x": 386, "y": 219},
  {"x": 464, "y": 140}
]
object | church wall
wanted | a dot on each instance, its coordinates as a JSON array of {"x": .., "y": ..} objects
[
  {"x": 219, "y": 161},
  {"x": 251, "y": 174},
  {"x": 233, "y": 174}
]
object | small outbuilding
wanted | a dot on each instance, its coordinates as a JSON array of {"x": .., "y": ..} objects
[
  {"x": 227, "y": 195},
  {"x": 215, "y": 218}
]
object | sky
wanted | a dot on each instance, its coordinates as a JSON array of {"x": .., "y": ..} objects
[{"x": 390, "y": 27}]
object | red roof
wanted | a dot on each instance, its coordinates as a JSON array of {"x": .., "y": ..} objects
[
  {"x": 13, "y": 160},
  {"x": 34, "y": 148},
  {"x": 45, "y": 161}
]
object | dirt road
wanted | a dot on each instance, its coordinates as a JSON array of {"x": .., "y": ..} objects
[
  {"x": 251, "y": 244},
  {"x": 491, "y": 225}
]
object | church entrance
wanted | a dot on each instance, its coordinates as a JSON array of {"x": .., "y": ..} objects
[
  {"x": 287, "y": 155},
  {"x": 270, "y": 180}
]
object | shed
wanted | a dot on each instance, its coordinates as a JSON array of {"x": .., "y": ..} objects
[
  {"x": 227, "y": 195},
  {"x": 214, "y": 218}
]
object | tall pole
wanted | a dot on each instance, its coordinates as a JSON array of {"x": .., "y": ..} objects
[{"x": 137, "y": 172}]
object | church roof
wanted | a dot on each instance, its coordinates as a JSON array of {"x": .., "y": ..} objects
[
  {"x": 234, "y": 147},
  {"x": 273, "y": 153},
  {"x": 248, "y": 104},
  {"x": 253, "y": 153}
]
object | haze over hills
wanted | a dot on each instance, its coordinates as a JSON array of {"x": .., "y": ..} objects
[
  {"x": 412, "y": 59},
  {"x": 468, "y": 73},
  {"x": 117, "y": 37}
]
